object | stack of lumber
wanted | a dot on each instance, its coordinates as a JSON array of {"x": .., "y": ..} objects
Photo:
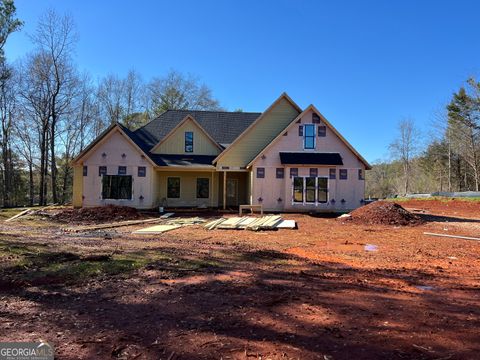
[{"x": 269, "y": 222}]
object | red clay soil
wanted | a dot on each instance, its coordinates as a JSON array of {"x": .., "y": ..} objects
[
  {"x": 384, "y": 213},
  {"x": 449, "y": 207},
  {"x": 331, "y": 290},
  {"x": 97, "y": 214}
]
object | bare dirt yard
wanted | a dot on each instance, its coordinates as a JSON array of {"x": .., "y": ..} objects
[{"x": 333, "y": 289}]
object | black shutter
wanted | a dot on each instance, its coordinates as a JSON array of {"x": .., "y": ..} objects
[{"x": 300, "y": 130}]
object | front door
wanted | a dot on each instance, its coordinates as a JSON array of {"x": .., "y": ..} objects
[{"x": 232, "y": 192}]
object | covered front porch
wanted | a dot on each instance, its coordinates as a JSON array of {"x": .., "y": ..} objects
[
  {"x": 201, "y": 188},
  {"x": 233, "y": 189}
]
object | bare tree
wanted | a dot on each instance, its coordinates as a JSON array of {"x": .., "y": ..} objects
[
  {"x": 405, "y": 148},
  {"x": 55, "y": 38},
  {"x": 111, "y": 97},
  {"x": 177, "y": 91}
]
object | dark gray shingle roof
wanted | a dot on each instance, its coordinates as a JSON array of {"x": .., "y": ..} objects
[{"x": 222, "y": 126}]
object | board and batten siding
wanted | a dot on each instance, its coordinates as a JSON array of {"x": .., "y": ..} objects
[
  {"x": 276, "y": 194},
  {"x": 175, "y": 143},
  {"x": 259, "y": 135},
  {"x": 114, "y": 145}
]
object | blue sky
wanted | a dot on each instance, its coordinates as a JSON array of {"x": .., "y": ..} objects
[{"x": 364, "y": 64}]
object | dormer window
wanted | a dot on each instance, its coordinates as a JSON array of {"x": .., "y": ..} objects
[
  {"x": 188, "y": 141},
  {"x": 309, "y": 136}
]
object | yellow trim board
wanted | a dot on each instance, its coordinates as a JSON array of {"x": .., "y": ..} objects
[{"x": 157, "y": 229}]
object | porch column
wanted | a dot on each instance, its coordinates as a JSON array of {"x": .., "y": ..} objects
[{"x": 224, "y": 190}]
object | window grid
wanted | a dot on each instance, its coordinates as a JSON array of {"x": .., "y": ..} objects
[{"x": 309, "y": 137}]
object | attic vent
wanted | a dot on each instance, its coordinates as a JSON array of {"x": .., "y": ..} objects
[{"x": 104, "y": 155}]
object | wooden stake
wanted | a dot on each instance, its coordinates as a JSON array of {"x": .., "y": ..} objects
[{"x": 453, "y": 236}]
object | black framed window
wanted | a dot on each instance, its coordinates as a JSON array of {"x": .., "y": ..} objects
[
  {"x": 188, "y": 141},
  {"x": 102, "y": 170},
  {"x": 203, "y": 188},
  {"x": 313, "y": 172},
  {"x": 343, "y": 174},
  {"x": 360, "y": 174},
  {"x": 310, "y": 189},
  {"x": 142, "y": 171},
  {"x": 260, "y": 173},
  {"x": 293, "y": 172},
  {"x": 315, "y": 118},
  {"x": 332, "y": 174},
  {"x": 322, "y": 190},
  {"x": 322, "y": 131},
  {"x": 280, "y": 173},
  {"x": 309, "y": 137},
  {"x": 85, "y": 170},
  {"x": 122, "y": 170},
  {"x": 116, "y": 187},
  {"x": 298, "y": 189},
  {"x": 173, "y": 187}
]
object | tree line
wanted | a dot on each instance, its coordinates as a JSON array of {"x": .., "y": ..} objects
[
  {"x": 50, "y": 110},
  {"x": 450, "y": 159}
]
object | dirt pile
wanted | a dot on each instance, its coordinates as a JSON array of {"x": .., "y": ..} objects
[
  {"x": 99, "y": 214},
  {"x": 384, "y": 213}
]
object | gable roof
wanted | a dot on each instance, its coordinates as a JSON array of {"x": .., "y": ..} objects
[
  {"x": 222, "y": 126},
  {"x": 252, "y": 125},
  {"x": 327, "y": 123},
  {"x": 125, "y": 132},
  {"x": 187, "y": 118}
]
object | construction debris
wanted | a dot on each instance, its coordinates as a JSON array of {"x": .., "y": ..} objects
[
  {"x": 166, "y": 215},
  {"x": 157, "y": 229},
  {"x": 110, "y": 225},
  {"x": 269, "y": 222},
  {"x": 170, "y": 224},
  {"x": 453, "y": 236}
]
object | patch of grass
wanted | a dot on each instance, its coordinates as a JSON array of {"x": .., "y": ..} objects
[{"x": 9, "y": 212}]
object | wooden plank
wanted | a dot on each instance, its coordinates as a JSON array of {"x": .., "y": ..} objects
[
  {"x": 166, "y": 215},
  {"x": 24, "y": 212},
  {"x": 109, "y": 225},
  {"x": 453, "y": 236},
  {"x": 287, "y": 224},
  {"x": 157, "y": 229}
]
